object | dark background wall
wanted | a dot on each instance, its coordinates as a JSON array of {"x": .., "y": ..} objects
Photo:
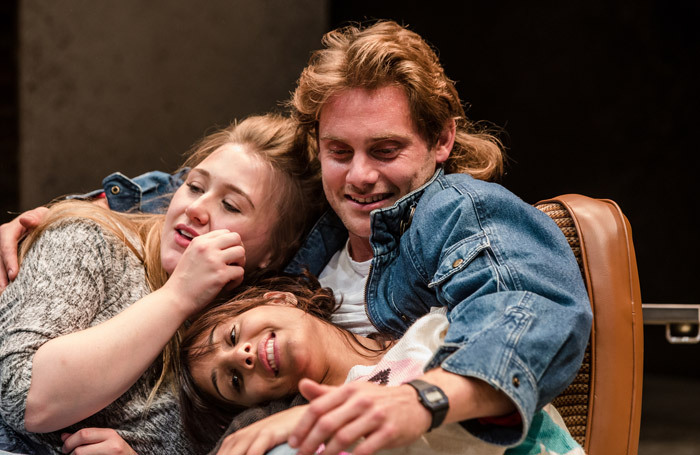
[
  {"x": 130, "y": 85},
  {"x": 9, "y": 118}
]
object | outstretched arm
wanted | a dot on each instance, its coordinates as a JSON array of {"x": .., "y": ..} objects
[
  {"x": 59, "y": 366},
  {"x": 153, "y": 190},
  {"x": 78, "y": 374},
  {"x": 386, "y": 417}
]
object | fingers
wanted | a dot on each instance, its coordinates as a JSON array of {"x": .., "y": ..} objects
[
  {"x": 10, "y": 234},
  {"x": 311, "y": 389},
  {"x": 95, "y": 441},
  {"x": 248, "y": 444},
  {"x": 228, "y": 242},
  {"x": 326, "y": 415},
  {"x": 31, "y": 218},
  {"x": 84, "y": 436}
]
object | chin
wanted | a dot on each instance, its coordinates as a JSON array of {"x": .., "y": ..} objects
[{"x": 169, "y": 263}]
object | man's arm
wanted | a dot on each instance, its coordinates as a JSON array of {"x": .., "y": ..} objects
[
  {"x": 387, "y": 417},
  {"x": 149, "y": 192}
]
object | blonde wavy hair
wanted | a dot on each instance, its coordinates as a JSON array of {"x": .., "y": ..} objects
[
  {"x": 386, "y": 54},
  {"x": 294, "y": 190}
]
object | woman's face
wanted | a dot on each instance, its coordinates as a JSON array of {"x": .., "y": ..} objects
[
  {"x": 228, "y": 190},
  {"x": 260, "y": 355}
]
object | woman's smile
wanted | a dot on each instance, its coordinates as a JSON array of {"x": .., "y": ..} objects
[{"x": 268, "y": 353}]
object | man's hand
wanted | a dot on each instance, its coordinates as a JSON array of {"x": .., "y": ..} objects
[
  {"x": 95, "y": 441},
  {"x": 10, "y": 235},
  {"x": 341, "y": 416},
  {"x": 263, "y": 435}
]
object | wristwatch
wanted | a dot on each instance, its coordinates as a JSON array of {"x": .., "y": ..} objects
[{"x": 433, "y": 399}]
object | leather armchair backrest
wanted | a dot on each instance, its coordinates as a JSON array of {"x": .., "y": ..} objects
[{"x": 602, "y": 407}]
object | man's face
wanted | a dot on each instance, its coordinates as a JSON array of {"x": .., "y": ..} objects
[{"x": 371, "y": 154}]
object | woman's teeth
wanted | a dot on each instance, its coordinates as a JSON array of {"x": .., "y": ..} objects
[
  {"x": 270, "y": 349},
  {"x": 184, "y": 234}
]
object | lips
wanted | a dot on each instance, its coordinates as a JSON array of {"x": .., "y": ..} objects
[{"x": 184, "y": 235}]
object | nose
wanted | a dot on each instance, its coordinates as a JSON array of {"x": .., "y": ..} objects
[
  {"x": 243, "y": 356},
  {"x": 362, "y": 171},
  {"x": 198, "y": 212}
]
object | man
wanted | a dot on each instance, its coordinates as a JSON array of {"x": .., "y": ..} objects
[
  {"x": 414, "y": 225},
  {"x": 387, "y": 122}
]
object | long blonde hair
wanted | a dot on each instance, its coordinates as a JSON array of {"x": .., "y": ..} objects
[{"x": 297, "y": 185}]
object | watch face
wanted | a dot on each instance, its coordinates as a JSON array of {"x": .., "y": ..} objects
[{"x": 434, "y": 396}]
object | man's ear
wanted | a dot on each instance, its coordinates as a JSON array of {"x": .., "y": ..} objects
[
  {"x": 281, "y": 298},
  {"x": 445, "y": 141}
]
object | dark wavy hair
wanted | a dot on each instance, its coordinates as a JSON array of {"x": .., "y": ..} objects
[{"x": 205, "y": 416}]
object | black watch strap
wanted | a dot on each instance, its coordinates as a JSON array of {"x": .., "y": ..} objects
[{"x": 433, "y": 399}]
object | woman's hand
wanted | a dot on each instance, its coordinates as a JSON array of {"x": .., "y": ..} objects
[
  {"x": 95, "y": 441},
  {"x": 10, "y": 235},
  {"x": 210, "y": 262},
  {"x": 263, "y": 435}
]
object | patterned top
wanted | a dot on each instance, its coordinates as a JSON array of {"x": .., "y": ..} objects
[
  {"x": 77, "y": 275},
  {"x": 405, "y": 361}
]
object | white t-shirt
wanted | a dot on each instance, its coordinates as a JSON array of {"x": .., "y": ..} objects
[{"x": 347, "y": 278}]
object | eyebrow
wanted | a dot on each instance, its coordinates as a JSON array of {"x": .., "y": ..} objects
[
  {"x": 228, "y": 186},
  {"x": 382, "y": 137}
]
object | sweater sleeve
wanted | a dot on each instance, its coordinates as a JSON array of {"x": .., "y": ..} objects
[{"x": 62, "y": 287}]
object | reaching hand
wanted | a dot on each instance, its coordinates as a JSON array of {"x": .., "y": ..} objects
[
  {"x": 263, "y": 435},
  {"x": 95, "y": 441},
  {"x": 10, "y": 235},
  {"x": 341, "y": 416},
  {"x": 210, "y": 262}
]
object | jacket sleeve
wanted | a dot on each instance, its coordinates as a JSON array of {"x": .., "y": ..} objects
[{"x": 518, "y": 309}]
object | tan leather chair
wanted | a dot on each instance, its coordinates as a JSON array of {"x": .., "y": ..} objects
[{"x": 602, "y": 407}]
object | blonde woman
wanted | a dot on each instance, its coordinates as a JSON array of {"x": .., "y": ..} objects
[{"x": 99, "y": 295}]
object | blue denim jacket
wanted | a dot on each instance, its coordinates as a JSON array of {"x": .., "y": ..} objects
[
  {"x": 149, "y": 192},
  {"x": 518, "y": 308}
]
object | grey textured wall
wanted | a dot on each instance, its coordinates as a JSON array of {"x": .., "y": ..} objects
[{"x": 130, "y": 85}]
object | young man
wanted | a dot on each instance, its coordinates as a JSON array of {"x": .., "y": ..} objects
[
  {"x": 415, "y": 225},
  {"x": 417, "y": 231}
]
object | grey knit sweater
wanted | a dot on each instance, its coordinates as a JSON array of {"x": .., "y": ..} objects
[{"x": 77, "y": 275}]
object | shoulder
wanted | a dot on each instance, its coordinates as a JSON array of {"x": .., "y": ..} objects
[
  {"x": 462, "y": 190},
  {"x": 76, "y": 240},
  {"x": 460, "y": 198},
  {"x": 75, "y": 232}
]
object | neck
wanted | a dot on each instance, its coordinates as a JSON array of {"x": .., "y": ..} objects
[
  {"x": 344, "y": 352},
  {"x": 359, "y": 248}
]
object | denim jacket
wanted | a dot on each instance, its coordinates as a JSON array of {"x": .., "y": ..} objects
[
  {"x": 519, "y": 312},
  {"x": 149, "y": 192},
  {"x": 518, "y": 309}
]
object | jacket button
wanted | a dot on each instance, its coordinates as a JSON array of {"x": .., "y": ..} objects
[
  {"x": 403, "y": 317},
  {"x": 516, "y": 381},
  {"x": 457, "y": 263},
  {"x": 115, "y": 190}
]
